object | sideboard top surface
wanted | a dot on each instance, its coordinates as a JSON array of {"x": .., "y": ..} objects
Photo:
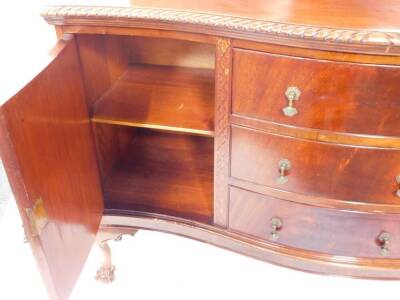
[
  {"x": 360, "y": 24},
  {"x": 350, "y": 14}
]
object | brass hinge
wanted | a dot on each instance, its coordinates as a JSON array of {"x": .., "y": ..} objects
[{"x": 37, "y": 217}]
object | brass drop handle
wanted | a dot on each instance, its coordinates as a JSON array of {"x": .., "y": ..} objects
[
  {"x": 292, "y": 94},
  {"x": 276, "y": 225},
  {"x": 284, "y": 166},
  {"x": 398, "y": 186},
  {"x": 383, "y": 240}
]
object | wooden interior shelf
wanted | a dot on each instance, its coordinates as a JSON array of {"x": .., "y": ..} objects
[
  {"x": 179, "y": 99},
  {"x": 164, "y": 172}
]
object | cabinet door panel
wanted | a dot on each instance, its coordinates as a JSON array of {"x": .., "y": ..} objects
[{"x": 48, "y": 152}]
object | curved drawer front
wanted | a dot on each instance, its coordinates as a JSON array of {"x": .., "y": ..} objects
[
  {"x": 342, "y": 97},
  {"x": 319, "y": 169},
  {"x": 313, "y": 228}
]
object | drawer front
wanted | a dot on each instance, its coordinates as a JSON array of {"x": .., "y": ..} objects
[
  {"x": 342, "y": 97},
  {"x": 321, "y": 169},
  {"x": 313, "y": 228}
]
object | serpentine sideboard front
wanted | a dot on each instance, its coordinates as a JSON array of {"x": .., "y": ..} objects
[{"x": 268, "y": 128}]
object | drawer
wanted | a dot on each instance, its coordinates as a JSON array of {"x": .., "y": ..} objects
[
  {"x": 340, "y": 97},
  {"x": 312, "y": 228},
  {"x": 326, "y": 170}
]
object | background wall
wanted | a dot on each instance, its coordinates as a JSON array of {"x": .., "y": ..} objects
[{"x": 5, "y": 194}]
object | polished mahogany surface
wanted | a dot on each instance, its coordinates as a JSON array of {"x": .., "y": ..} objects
[
  {"x": 369, "y": 14},
  {"x": 312, "y": 228},
  {"x": 364, "y": 14},
  {"x": 95, "y": 52},
  {"x": 257, "y": 248},
  {"x": 46, "y": 128},
  {"x": 219, "y": 69},
  {"x": 335, "y": 96},
  {"x": 356, "y": 174},
  {"x": 153, "y": 96},
  {"x": 165, "y": 173},
  {"x": 306, "y": 24},
  {"x": 111, "y": 144}
]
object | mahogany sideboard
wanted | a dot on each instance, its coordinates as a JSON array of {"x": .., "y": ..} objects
[{"x": 269, "y": 128}]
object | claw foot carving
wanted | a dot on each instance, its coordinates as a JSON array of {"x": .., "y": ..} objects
[{"x": 106, "y": 272}]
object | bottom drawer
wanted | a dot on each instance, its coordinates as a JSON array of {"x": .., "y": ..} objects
[{"x": 313, "y": 228}]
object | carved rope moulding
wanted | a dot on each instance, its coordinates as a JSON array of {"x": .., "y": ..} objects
[{"x": 226, "y": 22}]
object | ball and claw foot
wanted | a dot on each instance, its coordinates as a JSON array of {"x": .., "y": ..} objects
[{"x": 105, "y": 274}]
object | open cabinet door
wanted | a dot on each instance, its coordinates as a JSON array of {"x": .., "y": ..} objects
[{"x": 48, "y": 152}]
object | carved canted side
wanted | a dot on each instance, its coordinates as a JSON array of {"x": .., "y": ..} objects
[{"x": 222, "y": 107}]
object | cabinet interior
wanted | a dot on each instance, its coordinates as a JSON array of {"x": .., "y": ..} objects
[{"x": 151, "y": 104}]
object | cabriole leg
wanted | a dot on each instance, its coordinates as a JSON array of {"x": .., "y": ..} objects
[{"x": 106, "y": 272}]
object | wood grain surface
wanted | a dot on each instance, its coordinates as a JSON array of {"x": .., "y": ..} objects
[
  {"x": 165, "y": 173},
  {"x": 311, "y": 228},
  {"x": 221, "y": 69},
  {"x": 355, "y": 174},
  {"x": 160, "y": 96},
  {"x": 341, "y": 97},
  {"x": 48, "y": 152}
]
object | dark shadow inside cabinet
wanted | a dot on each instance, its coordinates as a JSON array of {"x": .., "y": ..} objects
[{"x": 151, "y": 102}]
